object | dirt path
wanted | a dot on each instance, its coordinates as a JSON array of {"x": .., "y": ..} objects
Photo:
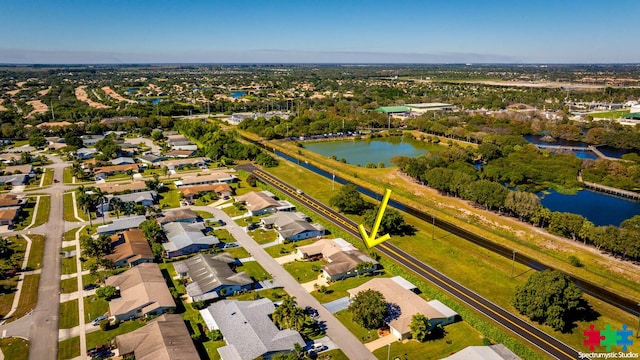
[
  {"x": 109, "y": 91},
  {"x": 44, "y": 92},
  {"x": 81, "y": 94},
  {"x": 38, "y": 107}
]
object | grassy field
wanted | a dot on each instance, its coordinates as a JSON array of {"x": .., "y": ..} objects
[
  {"x": 69, "y": 314},
  {"x": 232, "y": 211},
  {"x": 304, "y": 271},
  {"x": 104, "y": 337},
  {"x": 616, "y": 114},
  {"x": 238, "y": 252},
  {"x": 15, "y": 348},
  {"x": 94, "y": 307},
  {"x": 43, "y": 211},
  {"x": 28, "y": 296},
  {"x": 69, "y": 214},
  {"x": 457, "y": 337},
  {"x": 48, "y": 177},
  {"x": 69, "y": 285},
  {"x": 67, "y": 178},
  {"x": 169, "y": 199},
  {"x": 203, "y": 214},
  {"x": 262, "y": 236},
  {"x": 253, "y": 269},
  {"x": 69, "y": 265},
  {"x": 36, "y": 252},
  {"x": 69, "y": 349},
  {"x": 286, "y": 249}
]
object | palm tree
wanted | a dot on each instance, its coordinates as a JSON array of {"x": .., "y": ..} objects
[
  {"x": 116, "y": 206},
  {"x": 420, "y": 327},
  {"x": 85, "y": 202},
  {"x": 128, "y": 207},
  {"x": 100, "y": 198}
]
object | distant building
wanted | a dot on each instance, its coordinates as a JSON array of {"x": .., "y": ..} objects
[
  {"x": 119, "y": 120},
  {"x": 53, "y": 125}
]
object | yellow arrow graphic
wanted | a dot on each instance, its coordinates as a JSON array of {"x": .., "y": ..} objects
[{"x": 371, "y": 241}]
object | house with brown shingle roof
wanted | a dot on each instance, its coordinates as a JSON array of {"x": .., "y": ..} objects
[
  {"x": 10, "y": 201},
  {"x": 163, "y": 338},
  {"x": 114, "y": 188},
  {"x": 192, "y": 192},
  {"x": 143, "y": 292},
  {"x": 174, "y": 164},
  {"x": 130, "y": 248},
  {"x": 104, "y": 171},
  {"x": 214, "y": 177},
  {"x": 26, "y": 169},
  {"x": 8, "y": 216},
  {"x": 395, "y": 291}
]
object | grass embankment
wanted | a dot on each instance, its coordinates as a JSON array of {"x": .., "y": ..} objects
[{"x": 479, "y": 269}]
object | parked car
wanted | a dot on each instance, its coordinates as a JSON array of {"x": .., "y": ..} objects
[
  {"x": 89, "y": 287},
  {"x": 97, "y": 320},
  {"x": 253, "y": 226},
  {"x": 230, "y": 245}
]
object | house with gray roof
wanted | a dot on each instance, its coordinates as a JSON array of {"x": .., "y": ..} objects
[
  {"x": 14, "y": 180},
  {"x": 151, "y": 159},
  {"x": 178, "y": 215},
  {"x": 122, "y": 161},
  {"x": 210, "y": 276},
  {"x": 186, "y": 238},
  {"x": 163, "y": 338},
  {"x": 248, "y": 330},
  {"x": 121, "y": 225},
  {"x": 293, "y": 226},
  {"x": 90, "y": 140},
  {"x": 86, "y": 153},
  {"x": 145, "y": 198},
  {"x": 491, "y": 352}
]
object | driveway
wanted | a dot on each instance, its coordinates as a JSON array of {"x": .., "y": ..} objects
[{"x": 349, "y": 344}]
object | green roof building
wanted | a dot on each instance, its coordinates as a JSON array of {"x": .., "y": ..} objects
[
  {"x": 393, "y": 109},
  {"x": 633, "y": 116}
]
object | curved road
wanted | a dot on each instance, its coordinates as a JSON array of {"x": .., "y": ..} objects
[{"x": 540, "y": 339}]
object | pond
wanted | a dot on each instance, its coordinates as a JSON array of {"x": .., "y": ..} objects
[
  {"x": 600, "y": 209},
  {"x": 237, "y": 94},
  {"x": 606, "y": 150},
  {"x": 362, "y": 152}
]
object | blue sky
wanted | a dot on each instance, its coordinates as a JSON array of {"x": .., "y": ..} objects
[{"x": 403, "y": 31}]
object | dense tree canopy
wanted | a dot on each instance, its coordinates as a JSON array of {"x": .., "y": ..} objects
[
  {"x": 369, "y": 309},
  {"x": 549, "y": 297},
  {"x": 348, "y": 200}
]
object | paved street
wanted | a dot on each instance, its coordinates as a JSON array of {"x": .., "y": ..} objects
[{"x": 349, "y": 344}]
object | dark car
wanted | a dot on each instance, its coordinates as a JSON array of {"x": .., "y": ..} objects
[{"x": 89, "y": 287}]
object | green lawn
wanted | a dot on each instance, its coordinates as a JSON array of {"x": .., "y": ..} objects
[
  {"x": 36, "y": 252},
  {"x": 223, "y": 235},
  {"x": 69, "y": 349},
  {"x": 69, "y": 265},
  {"x": 69, "y": 285},
  {"x": 206, "y": 199},
  {"x": 69, "y": 214},
  {"x": 48, "y": 177},
  {"x": 338, "y": 289},
  {"x": 67, "y": 178},
  {"x": 238, "y": 252},
  {"x": 253, "y": 269},
  {"x": 15, "y": 348},
  {"x": 364, "y": 335},
  {"x": 169, "y": 199},
  {"x": 304, "y": 271},
  {"x": 232, "y": 211},
  {"x": 28, "y": 296},
  {"x": 69, "y": 314},
  {"x": 286, "y": 249},
  {"x": 104, "y": 337},
  {"x": 203, "y": 214},
  {"x": 94, "y": 307},
  {"x": 262, "y": 236},
  {"x": 26, "y": 214},
  {"x": 43, "y": 210},
  {"x": 457, "y": 337},
  {"x": 272, "y": 294},
  {"x": 335, "y": 354},
  {"x": 211, "y": 347},
  {"x": 616, "y": 114},
  {"x": 70, "y": 235}
]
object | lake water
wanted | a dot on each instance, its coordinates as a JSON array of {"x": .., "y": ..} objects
[
  {"x": 600, "y": 209},
  {"x": 607, "y": 150},
  {"x": 362, "y": 152},
  {"x": 237, "y": 94}
]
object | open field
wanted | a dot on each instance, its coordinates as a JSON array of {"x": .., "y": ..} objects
[
  {"x": 81, "y": 94},
  {"x": 616, "y": 114},
  {"x": 38, "y": 107},
  {"x": 109, "y": 91}
]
